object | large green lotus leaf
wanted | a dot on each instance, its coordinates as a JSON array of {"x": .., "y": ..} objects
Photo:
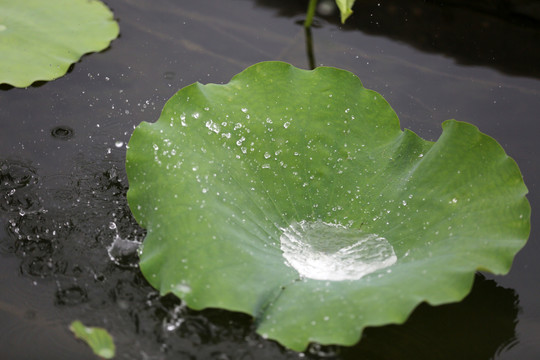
[
  {"x": 40, "y": 39},
  {"x": 294, "y": 196}
]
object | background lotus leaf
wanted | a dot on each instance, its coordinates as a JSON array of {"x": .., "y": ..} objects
[
  {"x": 39, "y": 40},
  {"x": 227, "y": 169}
]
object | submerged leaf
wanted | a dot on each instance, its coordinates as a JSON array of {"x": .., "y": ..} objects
[
  {"x": 97, "y": 338},
  {"x": 39, "y": 39},
  {"x": 294, "y": 196}
]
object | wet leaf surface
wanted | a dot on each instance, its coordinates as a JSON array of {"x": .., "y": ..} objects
[{"x": 231, "y": 176}]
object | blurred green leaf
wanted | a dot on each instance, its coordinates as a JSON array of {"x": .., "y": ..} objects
[
  {"x": 345, "y": 8},
  {"x": 97, "y": 338},
  {"x": 39, "y": 40}
]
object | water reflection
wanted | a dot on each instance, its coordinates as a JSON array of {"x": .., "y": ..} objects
[
  {"x": 501, "y": 36},
  {"x": 474, "y": 328}
]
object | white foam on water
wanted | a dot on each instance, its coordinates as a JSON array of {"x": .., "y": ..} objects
[{"x": 326, "y": 251}]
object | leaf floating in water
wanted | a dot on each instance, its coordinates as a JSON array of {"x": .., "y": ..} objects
[
  {"x": 41, "y": 39},
  {"x": 242, "y": 198},
  {"x": 99, "y": 340}
]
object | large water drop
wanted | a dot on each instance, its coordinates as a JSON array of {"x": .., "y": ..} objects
[{"x": 325, "y": 251}]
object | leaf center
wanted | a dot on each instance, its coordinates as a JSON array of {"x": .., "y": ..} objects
[{"x": 326, "y": 251}]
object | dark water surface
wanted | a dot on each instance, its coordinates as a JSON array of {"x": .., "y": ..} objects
[{"x": 63, "y": 182}]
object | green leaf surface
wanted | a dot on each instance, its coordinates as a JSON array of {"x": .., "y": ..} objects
[
  {"x": 97, "y": 338},
  {"x": 294, "y": 196},
  {"x": 39, "y": 39},
  {"x": 345, "y": 8}
]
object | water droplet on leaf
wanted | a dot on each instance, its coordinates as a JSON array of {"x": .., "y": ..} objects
[{"x": 325, "y": 251}]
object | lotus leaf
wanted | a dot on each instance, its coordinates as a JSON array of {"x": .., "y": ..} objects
[
  {"x": 39, "y": 39},
  {"x": 99, "y": 340},
  {"x": 294, "y": 196}
]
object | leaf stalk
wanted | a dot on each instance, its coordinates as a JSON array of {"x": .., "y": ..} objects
[{"x": 310, "y": 13}]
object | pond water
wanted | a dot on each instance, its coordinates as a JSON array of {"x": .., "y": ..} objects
[{"x": 67, "y": 237}]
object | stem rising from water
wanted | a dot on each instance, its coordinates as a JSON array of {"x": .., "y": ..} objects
[{"x": 310, "y": 13}]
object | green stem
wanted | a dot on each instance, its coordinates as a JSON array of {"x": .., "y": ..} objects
[
  {"x": 309, "y": 48},
  {"x": 310, "y": 13}
]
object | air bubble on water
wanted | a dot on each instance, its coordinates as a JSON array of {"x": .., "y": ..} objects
[{"x": 326, "y": 251}]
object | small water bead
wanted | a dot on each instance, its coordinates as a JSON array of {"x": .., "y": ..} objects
[
  {"x": 240, "y": 141},
  {"x": 183, "y": 120},
  {"x": 325, "y": 251},
  {"x": 212, "y": 126},
  {"x": 119, "y": 144}
]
